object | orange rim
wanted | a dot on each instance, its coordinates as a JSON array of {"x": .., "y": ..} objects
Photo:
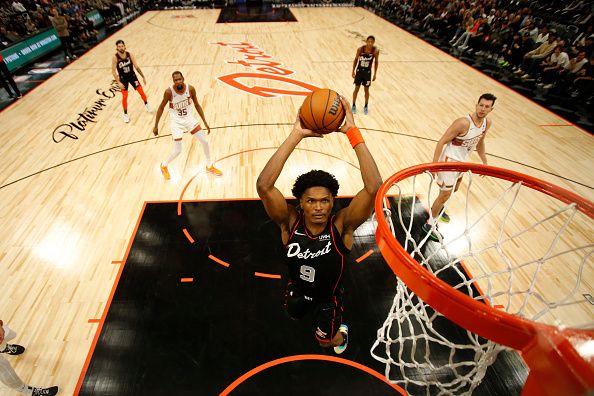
[{"x": 543, "y": 346}]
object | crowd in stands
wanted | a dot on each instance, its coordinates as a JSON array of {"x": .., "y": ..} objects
[
  {"x": 22, "y": 18},
  {"x": 545, "y": 47}
]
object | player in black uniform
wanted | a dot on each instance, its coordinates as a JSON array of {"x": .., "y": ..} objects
[
  {"x": 366, "y": 55},
  {"x": 317, "y": 241},
  {"x": 122, "y": 68}
]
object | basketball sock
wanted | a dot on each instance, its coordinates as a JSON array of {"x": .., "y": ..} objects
[
  {"x": 177, "y": 146},
  {"x": 205, "y": 146},
  {"x": 125, "y": 101},
  {"x": 9, "y": 377},
  {"x": 142, "y": 94}
]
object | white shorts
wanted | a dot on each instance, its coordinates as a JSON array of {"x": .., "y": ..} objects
[
  {"x": 179, "y": 126},
  {"x": 447, "y": 180}
]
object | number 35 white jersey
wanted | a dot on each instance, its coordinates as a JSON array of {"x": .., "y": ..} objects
[{"x": 180, "y": 105}]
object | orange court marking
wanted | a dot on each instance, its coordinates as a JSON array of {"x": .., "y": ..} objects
[
  {"x": 187, "y": 234},
  {"x": 264, "y": 275},
  {"x": 218, "y": 260},
  {"x": 365, "y": 255},
  {"x": 296, "y": 358}
]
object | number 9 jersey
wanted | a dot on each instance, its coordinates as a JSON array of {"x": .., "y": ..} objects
[{"x": 316, "y": 263}]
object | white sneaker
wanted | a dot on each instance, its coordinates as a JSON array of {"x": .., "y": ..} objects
[
  {"x": 148, "y": 108},
  {"x": 344, "y": 329},
  {"x": 126, "y": 118}
]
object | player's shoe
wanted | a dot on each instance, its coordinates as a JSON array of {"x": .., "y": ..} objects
[
  {"x": 44, "y": 391},
  {"x": 445, "y": 218},
  {"x": 165, "y": 172},
  {"x": 344, "y": 329},
  {"x": 214, "y": 171},
  {"x": 354, "y": 109},
  {"x": 434, "y": 234},
  {"x": 148, "y": 108},
  {"x": 365, "y": 110},
  {"x": 13, "y": 349},
  {"x": 126, "y": 118}
]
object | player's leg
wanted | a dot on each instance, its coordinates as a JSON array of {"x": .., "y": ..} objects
[
  {"x": 7, "y": 374},
  {"x": 366, "y": 88},
  {"x": 177, "y": 133},
  {"x": 330, "y": 331},
  {"x": 446, "y": 182},
  {"x": 125, "y": 100},
  {"x": 355, "y": 93},
  {"x": 140, "y": 91},
  {"x": 10, "y": 349},
  {"x": 199, "y": 134}
]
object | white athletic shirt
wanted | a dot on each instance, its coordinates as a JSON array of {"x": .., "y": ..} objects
[
  {"x": 180, "y": 105},
  {"x": 459, "y": 149}
]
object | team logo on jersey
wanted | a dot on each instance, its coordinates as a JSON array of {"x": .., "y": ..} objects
[
  {"x": 324, "y": 237},
  {"x": 268, "y": 70},
  {"x": 293, "y": 249}
]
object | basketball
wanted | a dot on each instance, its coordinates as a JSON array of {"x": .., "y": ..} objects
[{"x": 322, "y": 111}]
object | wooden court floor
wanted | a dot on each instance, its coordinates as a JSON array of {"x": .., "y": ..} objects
[{"x": 75, "y": 177}]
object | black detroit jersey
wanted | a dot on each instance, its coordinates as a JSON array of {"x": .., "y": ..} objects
[
  {"x": 365, "y": 61},
  {"x": 125, "y": 67},
  {"x": 316, "y": 264}
]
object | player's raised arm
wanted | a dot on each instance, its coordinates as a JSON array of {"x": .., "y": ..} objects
[
  {"x": 274, "y": 202},
  {"x": 361, "y": 206},
  {"x": 166, "y": 99}
]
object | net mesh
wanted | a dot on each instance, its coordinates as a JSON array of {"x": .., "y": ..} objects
[{"x": 508, "y": 246}]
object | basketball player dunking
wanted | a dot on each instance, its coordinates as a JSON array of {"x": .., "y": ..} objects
[
  {"x": 317, "y": 241},
  {"x": 366, "y": 55},
  {"x": 462, "y": 137},
  {"x": 122, "y": 68},
  {"x": 180, "y": 98}
]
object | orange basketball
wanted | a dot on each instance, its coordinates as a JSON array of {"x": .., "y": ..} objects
[{"x": 322, "y": 111}]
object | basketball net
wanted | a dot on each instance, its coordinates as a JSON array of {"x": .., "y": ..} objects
[{"x": 523, "y": 251}]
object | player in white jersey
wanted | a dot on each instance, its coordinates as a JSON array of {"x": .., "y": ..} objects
[
  {"x": 462, "y": 137},
  {"x": 180, "y": 98}
]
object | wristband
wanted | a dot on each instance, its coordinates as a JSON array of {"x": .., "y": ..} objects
[{"x": 354, "y": 136}]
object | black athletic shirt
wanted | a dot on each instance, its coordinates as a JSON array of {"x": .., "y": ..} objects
[
  {"x": 125, "y": 67},
  {"x": 316, "y": 264},
  {"x": 365, "y": 60}
]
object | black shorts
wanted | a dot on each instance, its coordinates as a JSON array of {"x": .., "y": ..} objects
[
  {"x": 133, "y": 80},
  {"x": 363, "y": 78},
  {"x": 327, "y": 314}
]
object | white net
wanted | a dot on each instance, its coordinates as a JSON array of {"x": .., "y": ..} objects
[{"x": 506, "y": 245}]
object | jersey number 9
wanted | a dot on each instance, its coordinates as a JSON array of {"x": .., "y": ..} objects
[{"x": 307, "y": 273}]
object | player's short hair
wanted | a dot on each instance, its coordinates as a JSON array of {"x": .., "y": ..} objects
[
  {"x": 370, "y": 37},
  {"x": 177, "y": 72},
  {"x": 120, "y": 41},
  {"x": 488, "y": 96},
  {"x": 315, "y": 178}
]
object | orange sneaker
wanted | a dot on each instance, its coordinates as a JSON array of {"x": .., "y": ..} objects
[
  {"x": 214, "y": 170},
  {"x": 165, "y": 172}
]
